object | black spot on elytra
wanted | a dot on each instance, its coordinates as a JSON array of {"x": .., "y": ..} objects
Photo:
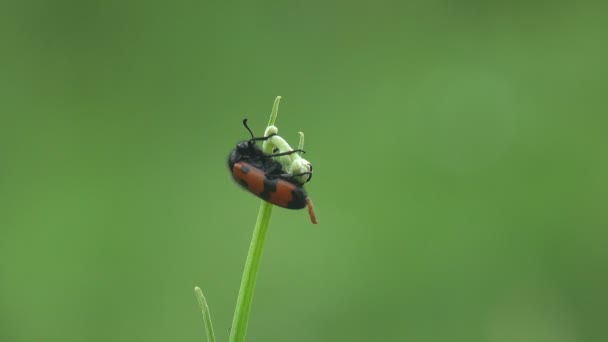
[
  {"x": 298, "y": 199},
  {"x": 245, "y": 169},
  {"x": 270, "y": 186}
]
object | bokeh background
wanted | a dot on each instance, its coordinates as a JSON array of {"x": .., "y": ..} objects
[{"x": 460, "y": 154}]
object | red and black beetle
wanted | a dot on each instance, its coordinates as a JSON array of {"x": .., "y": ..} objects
[{"x": 264, "y": 177}]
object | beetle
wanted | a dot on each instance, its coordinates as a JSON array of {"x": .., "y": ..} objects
[{"x": 265, "y": 177}]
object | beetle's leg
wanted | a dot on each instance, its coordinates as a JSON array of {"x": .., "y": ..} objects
[
  {"x": 288, "y": 176},
  {"x": 271, "y": 171},
  {"x": 285, "y": 153}
]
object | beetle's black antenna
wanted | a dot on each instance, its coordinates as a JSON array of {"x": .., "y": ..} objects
[
  {"x": 249, "y": 129},
  {"x": 253, "y": 138}
]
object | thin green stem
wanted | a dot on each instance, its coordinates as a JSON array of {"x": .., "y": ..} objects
[
  {"x": 202, "y": 302},
  {"x": 275, "y": 111},
  {"x": 301, "y": 142},
  {"x": 252, "y": 264}
]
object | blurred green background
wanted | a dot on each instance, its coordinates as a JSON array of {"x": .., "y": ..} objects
[{"x": 460, "y": 154}]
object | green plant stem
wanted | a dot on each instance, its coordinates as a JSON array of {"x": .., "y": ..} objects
[
  {"x": 252, "y": 264},
  {"x": 301, "y": 142},
  {"x": 274, "y": 112},
  {"x": 202, "y": 302}
]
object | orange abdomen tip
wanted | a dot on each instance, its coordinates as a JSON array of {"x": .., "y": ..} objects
[{"x": 311, "y": 211}]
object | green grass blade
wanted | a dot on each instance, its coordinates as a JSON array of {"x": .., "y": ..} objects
[
  {"x": 252, "y": 266},
  {"x": 202, "y": 302}
]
